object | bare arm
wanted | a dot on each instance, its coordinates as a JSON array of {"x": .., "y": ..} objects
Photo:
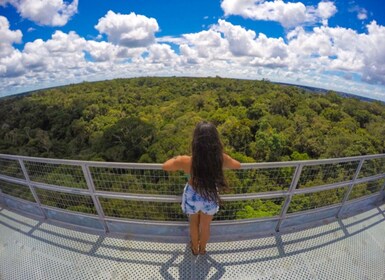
[
  {"x": 229, "y": 162},
  {"x": 178, "y": 163}
]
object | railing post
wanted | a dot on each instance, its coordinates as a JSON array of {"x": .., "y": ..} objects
[
  {"x": 1, "y": 198},
  {"x": 382, "y": 190},
  {"x": 351, "y": 186},
  {"x": 31, "y": 188},
  {"x": 292, "y": 187},
  {"x": 95, "y": 199}
]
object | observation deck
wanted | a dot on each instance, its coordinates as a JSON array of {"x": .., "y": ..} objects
[{"x": 66, "y": 219}]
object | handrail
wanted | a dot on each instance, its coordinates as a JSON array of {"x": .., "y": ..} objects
[
  {"x": 159, "y": 166},
  {"x": 106, "y": 189}
]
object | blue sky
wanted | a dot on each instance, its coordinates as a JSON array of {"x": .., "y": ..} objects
[{"x": 338, "y": 45}]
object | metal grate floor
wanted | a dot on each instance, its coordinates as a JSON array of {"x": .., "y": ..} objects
[{"x": 352, "y": 248}]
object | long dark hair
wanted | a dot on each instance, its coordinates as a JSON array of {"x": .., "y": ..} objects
[{"x": 207, "y": 162}]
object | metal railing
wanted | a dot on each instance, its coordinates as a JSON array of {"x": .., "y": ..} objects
[{"x": 145, "y": 193}]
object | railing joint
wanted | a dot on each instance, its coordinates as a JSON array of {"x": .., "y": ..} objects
[
  {"x": 95, "y": 198},
  {"x": 358, "y": 170},
  {"x": 31, "y": 187},
  {"x": 293, "y": 186}
]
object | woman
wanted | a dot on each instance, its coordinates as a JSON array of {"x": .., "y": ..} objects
[{"x": 205, "y": 172}]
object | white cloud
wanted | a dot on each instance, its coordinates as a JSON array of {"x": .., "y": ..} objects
[
  {"x": 342, "y": 49},
  {"x": 63, "y": 43},
  {"x": 60, "y": 54},
  {"x": 288, "y": 14},
  {"x": 10, "y": 65},
  {"x": 244, "y": 42},
  {"x": 362, "y": 13},
  {"x": 326, "y": 10},
  {"x": 106, "y": 51},
  {"x": 241, "y": 41},
  {"x": 233, "y": 44},
  {"x": 373, "y": 51},
  {"x": 163, "y": 54},
  {"x": 323, "y": 56},
  {"x": 171, "y": 39},
  {"x": 45, "y": 12},
  {"x": 8, "y": 36},
  {"x": 102, "y": 51},
  {"x": 207, "y": 44},
  {"x": 128, "y": 30}
]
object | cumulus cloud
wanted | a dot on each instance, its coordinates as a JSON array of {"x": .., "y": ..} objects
[
  {"x": 233, "y": 44},
  {"x": 163, "y": 54},
  {"x": 45, "y": 12},
  {"x": 58, "y": 57},
  {"x": 288, "y": 14},
  {"x": 374, "y": 54},
  {"x": 342, "y": 49},
  {"x": 68, "y": 57},
  {"x": 320, "y": 50},
  {"x": 8, "y": 37},
  {"x": 244, "y": 42},
  {"x": 10, "y": 64},
  {"x": 128, "y": 30},
  {"x": 105, "y": 51},
  {"x": 306, "y": 55},
  {"x": 326, "y": 10},
  {"x": 206, "y": 44}
]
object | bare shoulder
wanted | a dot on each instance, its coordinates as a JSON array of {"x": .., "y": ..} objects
[
  {"x": 184, "y": 158},
  {"x": 181, "y": 162},
  {"x": 229, "y": 162},
  {"x": 185, "y": 163}
]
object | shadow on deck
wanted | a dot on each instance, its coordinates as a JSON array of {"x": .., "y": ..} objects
[{"x": 351, "y": 248}]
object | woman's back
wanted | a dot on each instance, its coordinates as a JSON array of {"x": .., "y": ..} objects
[{"x": 200, "y": 198}]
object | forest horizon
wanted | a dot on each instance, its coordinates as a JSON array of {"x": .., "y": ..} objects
[{"x": 150, "y": 119}]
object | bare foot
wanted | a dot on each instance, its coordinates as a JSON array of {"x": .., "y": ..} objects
[{"x": 195, "y": 251}]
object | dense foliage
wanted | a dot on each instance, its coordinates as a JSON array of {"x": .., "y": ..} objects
[{"x": 151, "y": 119}]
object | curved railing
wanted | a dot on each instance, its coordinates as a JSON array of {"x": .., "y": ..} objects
[{"x": 114, "y": 196}]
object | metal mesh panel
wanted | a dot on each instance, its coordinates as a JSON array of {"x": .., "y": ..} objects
[
  {"x": 11, "y": 168},
  {"x": 259, "y": 180},
  {"x": 318, "y": 175},
  {"x": 16, "y": 190},
  {"x": 367, "y": 188},
  {"x": 172, "y": 183},
  {"x": 138, "y": 181},
  {"x": 302, "y": 202},
  {"x": 372, "y": 167},
  {"x": 142, "y": 210},
  {"x": 73, "y": 202},
  {"x": 248, "y": 209},
  {"x": 154, "y": 181},
  {"x": 165, "y": 211},
  {"x": 56, "y": 174}
]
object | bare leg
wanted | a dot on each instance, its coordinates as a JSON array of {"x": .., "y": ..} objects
[
  {"x": 194, "y": 231},
  {"x": 205, "y": 222}
]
